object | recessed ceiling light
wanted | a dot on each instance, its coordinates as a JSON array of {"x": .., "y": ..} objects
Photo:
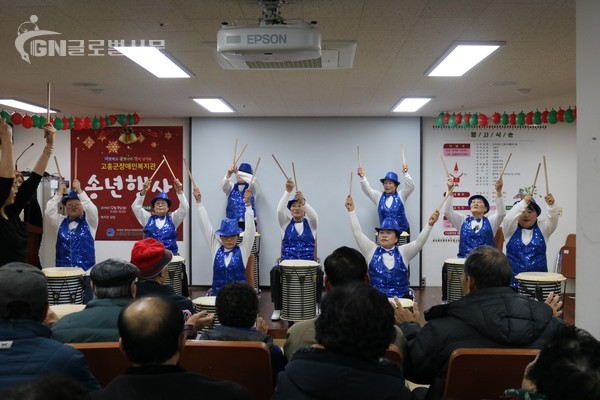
[
  {"x": 21, "y": 105},
  {"x": 154, "y": 61},
  {"x": 411, "y": 104},
  {"x": 461, "y": 57},
  {"x": 214, "y": 105}
]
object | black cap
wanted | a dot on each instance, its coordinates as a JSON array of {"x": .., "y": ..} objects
[
  {"x": 24, "y": 283},
  {"x": 113, "y": 272}
]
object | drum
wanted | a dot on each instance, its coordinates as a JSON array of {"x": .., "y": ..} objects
[
  {"x": 538, "y": 285},
  {"x": 65, "y": 309},
  {"x": 406, "y": 303},
  {"x": 451, "y": 274},
  {"x": 207, "y": 303},
  {"x": 403, "y": 239},
  {"x": 65, "y": 285},
  {"x": 299, "y": 289},
  {"x": 255, "y": 250},
  {"x": 175, "y": 274}
]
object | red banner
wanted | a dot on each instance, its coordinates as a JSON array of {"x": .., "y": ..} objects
[{"x": 113, "y": 163}]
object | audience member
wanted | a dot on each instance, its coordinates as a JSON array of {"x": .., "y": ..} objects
[
  {"x": 342, "y": 267},
  {"x": 237, "y": 308},
  {"x": 26, "y": 350},
  {"x": 354, "y": 329},
  {"x": 490, "y": 315},
  {"x": 48, "y": 387},
  {"x": 568, "y": 367},
  {"x": 14, "y": 196},
  {"x": 113, "y": 283},
  {"x": 152, "y": 339}
]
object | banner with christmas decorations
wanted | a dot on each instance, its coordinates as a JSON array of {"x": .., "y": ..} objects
[{"x": 112, "y": 165}]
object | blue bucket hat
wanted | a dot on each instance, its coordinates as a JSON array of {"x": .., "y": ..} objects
[
  {"x": 391, "y": 176},
  {"x": 485, "y": 202},
  {"x": 71, "y": 196},
  {"x": 162, "y": 196},
  {"x": 533, "y": 206},
  {"x": 229, "y": 227},
  {"x": 390, "y": 224},
  {"x": 245, "y": 167}
]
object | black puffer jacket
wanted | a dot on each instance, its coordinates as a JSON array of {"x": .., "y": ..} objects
[{"x": 494, "y": 317}]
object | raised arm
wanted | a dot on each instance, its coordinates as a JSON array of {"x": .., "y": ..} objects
[
  {"x": 42, "y": 162},
  {"x": 249, "y": 228},
  {"x": 90, "y": 209},
  {"x": 456, "y": 219},
  {"x": 6, "y": 162},
  {"x": 208, "y": 232},
  {"x": 179, "y": 215},
  {"x": 226, "y": 184},
  {"x": 371, "y": 193},
  {"x": 137, "y": 206},
  {"x": 550, "y": 222},
  {"x": 367, "y": 246},
  {"x": 282, "y": 206},
  {"x": 409, "y": 185},
  {"x": 410, "y": 250},
  {"x": 497, "y": 218}
]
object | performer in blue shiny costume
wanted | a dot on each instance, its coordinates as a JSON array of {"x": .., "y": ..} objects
[
  {"x": 298, "y": 241},
  {"x": 388, "y": 263},
  {"x": 229, "y": 258},
  {"x": 159, "y": 224},
  {"x": 390, "y": 202},
  {"x": 236, "y": 208},
  {"x": 526, "y": 235},
  {"x": 475, "y": 229}
]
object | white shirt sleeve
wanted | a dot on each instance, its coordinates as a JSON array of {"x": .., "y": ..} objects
[
  {"x": 91, "y": 212},
  {"x": 281, "y": 212},
  {"x": 497, "y": 217},
  {"x": 456, "y": 219},
  {"x": 410, "y": 250},
  {"x": 249, "y": 233},
  {"x": 51, "y": 212},
  {"x": 409, "y": 187},
  {"x": 179, "y": 215},
  {"x": 311, "y": 216},
  {"x": 511, "y": 220},
  {"x": 212, "y": 239},
  {"x": 367, "y": 246},
  {"x": 549, "y": 223},
  {"x": 226, "y": 185},
  {"x": 138, "y": 210},
  {"x": 371, "y": 193}
]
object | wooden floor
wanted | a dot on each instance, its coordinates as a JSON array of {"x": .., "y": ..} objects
[{"x": 425, "y": 297}]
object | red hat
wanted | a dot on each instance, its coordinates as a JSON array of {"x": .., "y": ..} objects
[{"x": 150, "y": 256}]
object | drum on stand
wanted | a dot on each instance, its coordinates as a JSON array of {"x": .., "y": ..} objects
[
  {"x": 207, "y": 303},
  {"x": 65, "y": 285},
  {"x": 255, "y": 251},
  {"x": 175, "y": 274},
  {"x": 451, "y": 284},
  {"x": 538, "y": 285},
  {"x": 299, "y": 289}
]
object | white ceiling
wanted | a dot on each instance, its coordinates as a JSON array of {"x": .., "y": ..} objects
[{"x": 397, "y": 40}]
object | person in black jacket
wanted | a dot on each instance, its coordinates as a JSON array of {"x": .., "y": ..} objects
[
  {"x": 490, "y": 315},
  {"x": 152, "y": 338}
]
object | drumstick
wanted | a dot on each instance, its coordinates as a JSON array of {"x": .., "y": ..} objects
[
  {"x": 536, "y": 176},
  {"x": 255, "y": 171},
  {"x": 546, "y": 175},
  {"x": 505, "y": 164},
  {"x": 445, "y": 167},
  {"x": 165, "y": 159},
  {"x": 75, "y": 164},
  {"x": 350, "y": 184},
  {"x": 446, "y": 198},
  {"x": 358, "y": 154},
  {"x": 156, "y": 170},
  {"x": 235, "y": 150},
  {"x": 189, "y": 173},
  {"x": 403, "y": 159},
  {"x": 279, "y": 165},
  {"x": 48, "y": 103},
  {"x": 294, "y": 172},
  {"x": 240, "y": 156},
  {"x": 58, "y": 169}
]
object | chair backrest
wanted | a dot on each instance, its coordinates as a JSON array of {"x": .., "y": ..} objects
[
  {"x": 475, "y": 374},
  {"x": 247, "y": 363},
  {"x": 567, "y": 257},
  {"x": 104, "y": 359},
  {"x": 250, "y": 269}
]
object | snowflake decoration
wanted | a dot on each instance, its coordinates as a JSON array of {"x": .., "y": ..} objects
[
  {"x": 141, "y": 138},
  {"x": 168, "y": 135},
  {"x": 88, "y": 142},
  {"x": 154, "y": 145},
  {"x": 102, "y": 138},
  {"x": 113, "y": 147}
]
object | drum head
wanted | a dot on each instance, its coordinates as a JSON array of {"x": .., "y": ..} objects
[
  {"x": 205, "y": 301},
  {"x": 177, "y": 259},
  {"x": 298, "y": 263},
  {"x": 406, "y": 303},
  {"x": 61, "y": 272},
  {"x": 455, "y": 261},
  {"x": 540, "y": 277}
]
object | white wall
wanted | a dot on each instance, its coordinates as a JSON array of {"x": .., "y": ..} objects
[{"x": 324, "y": 152}]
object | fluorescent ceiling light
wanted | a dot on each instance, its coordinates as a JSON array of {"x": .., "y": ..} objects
[
  {"x": 153, "y": 60},
  {"x": 411, "y": 104},
  {"x": 461, "y": 57},
  {"x": 21, "y": 105},
  {"x": 214, "y": 105}
]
